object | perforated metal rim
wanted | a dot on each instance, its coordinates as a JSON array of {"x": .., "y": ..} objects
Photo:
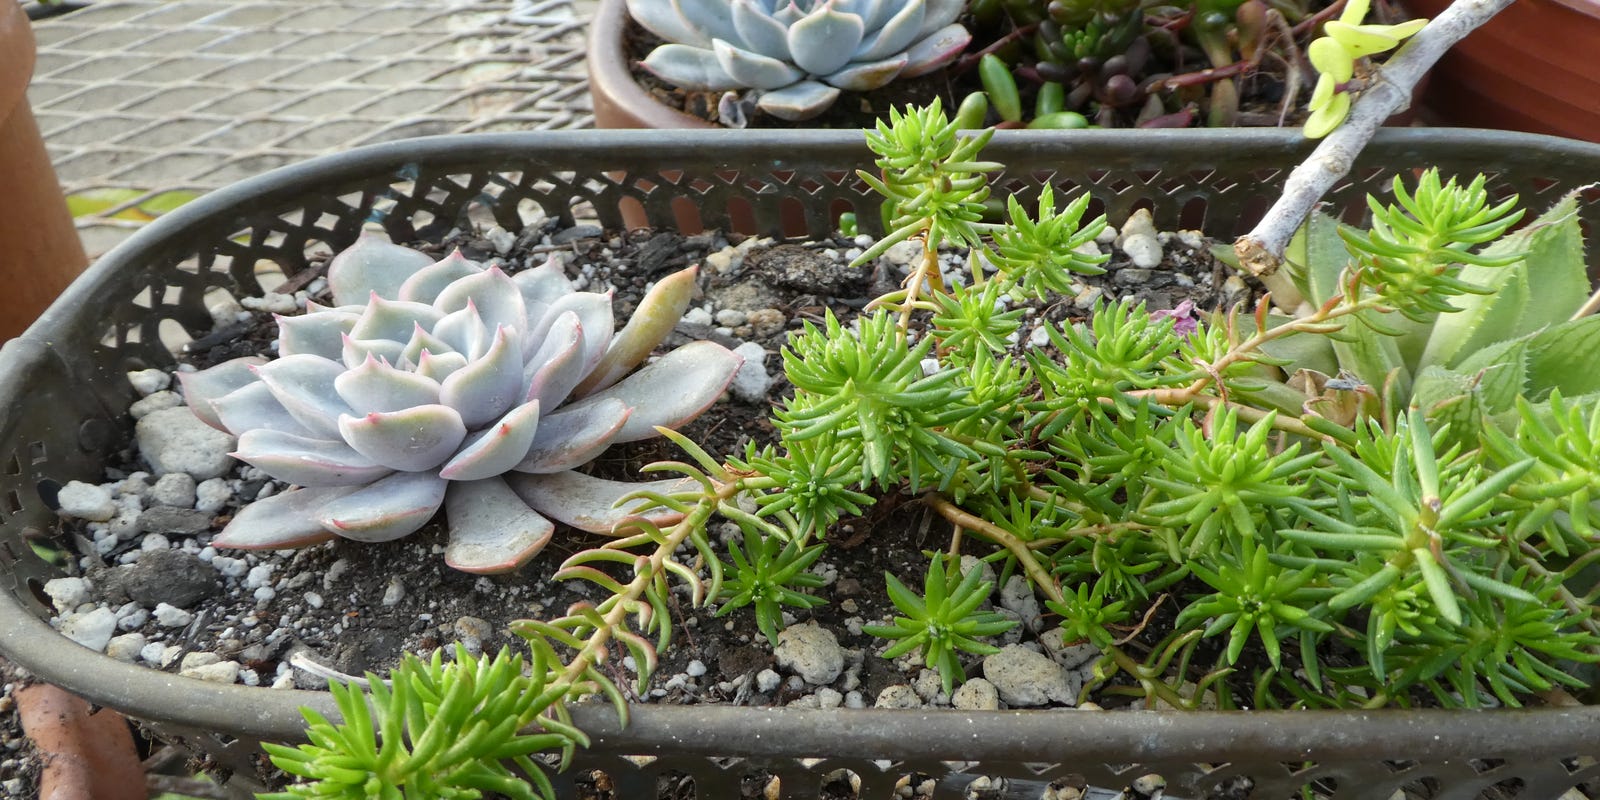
[{"x": 67, "y": 352}]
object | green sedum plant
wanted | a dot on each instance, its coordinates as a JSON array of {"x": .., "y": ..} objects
[{"x": 944, "y": 621}]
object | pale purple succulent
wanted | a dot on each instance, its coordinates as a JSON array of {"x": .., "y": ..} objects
[
  {"x": 798, "y": 54},
  {"x": 434, "y": 384}
]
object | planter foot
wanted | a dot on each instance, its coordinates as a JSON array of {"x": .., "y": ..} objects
[{"x": 87, "y": 754}]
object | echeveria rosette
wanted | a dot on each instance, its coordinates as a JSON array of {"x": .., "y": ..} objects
[
  {"x": 444, "y": 384},
  {"x": 798, "y": 54}
]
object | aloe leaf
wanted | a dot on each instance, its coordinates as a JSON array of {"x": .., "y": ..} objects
[
  {"x": 558, "y": 364},
  {"x": 203, "y": 387},
  {"x": 861, "y": 77},
  {"x": 376, "y": 386},
  {"x": 1300, "y": 351},
  {"x": 425, "y": 285},
  {"x": 823, "y": 40},
  {"x": 1371, "y": 355},
  {"x": 936, "y": 50},
  {"x": 760, "y": 32},
  {"x": 1566, "y": 357},
  {"x": 496, "y": 449},
  {"x": 589, "y": 503},
  {"x": 1558, "y": 279},
  {"x": 1500, "y": 373},
  {"x": 492, "y": 293},
  {"x": 672, "y": 389},
  {"x": 303, "y": 384},
  {"x": 319, "y": 334},
  {"x": 802, "y": 100},
  {"x": 284, "y": 520},
  {"x": 895, "y": 35},
  {"x": 487, "y": 387},
  {"x": 689, "y": 67},
  {"x": 417, "y": 438},
  {"x": 387, "y": 509},
  {"x": 657, "y": 314},
  {"x": 573, "y": 437},
  {"x": 306, "y": 461},
  {"x": 491, "y": 529},
  {"x": 372, "y": 264},
  {"x": 253, "y": 406},
  {"x": 1316, "y": 255},
  {"x": 753, "y": 69}
]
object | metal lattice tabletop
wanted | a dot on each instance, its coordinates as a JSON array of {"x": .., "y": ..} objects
[{"x": 144, "y": 102}]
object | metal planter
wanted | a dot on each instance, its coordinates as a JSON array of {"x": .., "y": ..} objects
[{"x": 65, "y": 401}]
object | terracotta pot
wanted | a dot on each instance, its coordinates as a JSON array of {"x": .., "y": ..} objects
[
  {"x": 39, "y": 248},
  {"x": 88, "y": 753},
  {"x": 619, "y": 101},
  {"x": 1533, "y": 67}
]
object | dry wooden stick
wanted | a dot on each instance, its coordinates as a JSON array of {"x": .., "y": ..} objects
[{"x": 1261, "y": 250}]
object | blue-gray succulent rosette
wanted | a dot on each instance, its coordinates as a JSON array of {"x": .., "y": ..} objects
[
  {"x": 434, "y": 384},
  {"x": 798, "y": 54}
]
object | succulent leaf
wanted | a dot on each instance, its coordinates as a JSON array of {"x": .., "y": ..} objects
[
  {"x": 284, "y": 520},
  {"x": 712, "y": 18},
  {"x": 496, "y": 449},
  {"x": 689, "y": 67},
  {"x": 489, "y": 386},
  {"x": 202, "y": 388},
  {"x": 658, "y": 313},
  {"x": 306, "y": 461},
  {"x": 376, "y": 386},
  {"x": 753, "y": 69},
  {"x": 558, "y": 365},
  {"x": 542, "y": 285},
  {"x": 428, "y": 282},
  {"x": 595, "y": 320},
  {"x": 304, "y": 385},
  {"x": 671, "y": 390},
  {"x": 387, "y": 509},
  {"x": 463, "y": 330},
  {"x": 355, "y": 352},
  {"x": 439, "y": 366},
  {"x": 573, "y": 437},
  {"x": 589, "y": 503},
  {"x": 253, "y": 406},
  {"x": 410, "y": 440},
  {"x": 314, "y": 334},
  {"x": 372, "y": 264},
  {"x": 936, "y": 50},
  {"x": 823, "y": 41},
  {"x": 861, "y": 77},
  {"x": 393, "y": 319},
  {"x": 803, "y": 100},
  {"x": 895, "y": 36},
  {"x": 757, "y": 27},
  {"x": 497, "y": 299},
  {"x": 491, "y": 529}
]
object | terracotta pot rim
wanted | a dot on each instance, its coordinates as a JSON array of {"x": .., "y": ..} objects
[{"x": 619, "y": 101}]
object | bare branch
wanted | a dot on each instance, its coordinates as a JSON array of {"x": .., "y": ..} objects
[{"x": 1261, "y": 250}]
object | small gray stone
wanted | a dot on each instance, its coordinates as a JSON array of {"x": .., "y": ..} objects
[
  {"x": 149, "y": 381},
  {"x": 828, "y": 698},
  {"x": 976, "y": 694},
  {"x": 66, "y": 594},
  {"x": 811, "y": 652},
  {"x": 394, "y": 592},
  {"x": 126, "y": 647},
  {"x": 175, "y": 440},
  {"x": 766, "y": 321},
  {"x": 199, "y": 658},
  {"x": 167, "y": 519},
  {"x": 1025, "y": 678},
  {"x": 768, "y": 681},
  {"x": 169, "y": 617},
  {"x": 86, "y": 501},
  {"x": 160, "y": 401},
  {"x": 212, "y": 495},
  {"x": 1017, "y": 595},
  {"x": 898, "y": 696},
  {"x": 176, "y": 489},
  {"x": 171, "y": 577},
  {"x": 751, "y": 382},
  {"x": 1143, "y": 251},
  {"x": 697, "y": 317},
  {"x": 151, "y": 653},
  {"x": 92, "y": 630},
  {"x": 1139, "y": 223},
  {"x": 220, "y": 672},
  {"x": 576, "y": 232},
  {"x": 903, "y": 253},
  {"x": 1070, "y": 656}
]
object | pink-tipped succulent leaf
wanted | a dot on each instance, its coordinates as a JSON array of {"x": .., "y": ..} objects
[{"x": 448, "y": 386}]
